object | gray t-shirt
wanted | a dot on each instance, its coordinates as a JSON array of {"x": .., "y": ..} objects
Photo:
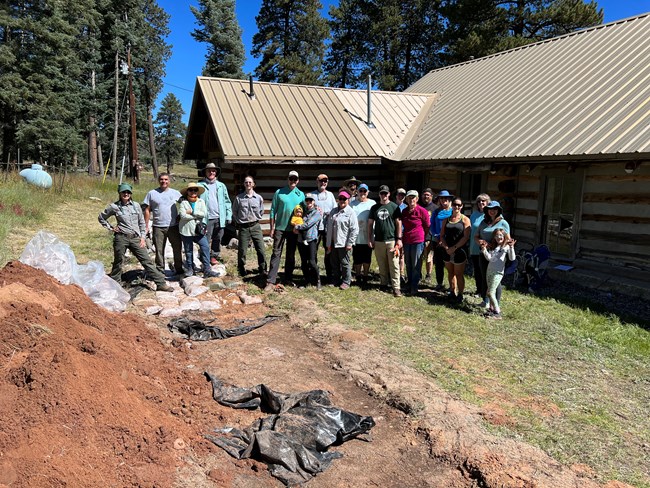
[{"x": 162, "y": 205}]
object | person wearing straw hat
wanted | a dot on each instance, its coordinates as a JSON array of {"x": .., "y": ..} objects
[
  {"x": 219, "y": 209},
  {"x": 192, "y": 211},
  {"x": 129, "y": 233},
  {"x": 351, "y": 185}
]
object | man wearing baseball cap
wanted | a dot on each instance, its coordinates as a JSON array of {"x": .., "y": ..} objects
[
  {"x": 385, "y": 236},
  {"x": 325, "y": 202},
  {"x": 284, "y": 201},
  {"x": 219, "y": 215}
]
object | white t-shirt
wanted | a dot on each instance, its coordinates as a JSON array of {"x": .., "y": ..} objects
[
  {"x": 362, "y": 209},
  {"x": 162, "y": 205}
]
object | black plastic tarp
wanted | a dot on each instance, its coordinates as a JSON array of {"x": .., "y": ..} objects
[
  {"x": 293, "y": 440},
  {"x": 197, "y": 330}
]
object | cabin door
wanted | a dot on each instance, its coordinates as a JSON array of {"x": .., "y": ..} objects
[{"x": 561, "y": 208}]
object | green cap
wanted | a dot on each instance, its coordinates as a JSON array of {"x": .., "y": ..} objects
[{"x": 124, "y": 187}]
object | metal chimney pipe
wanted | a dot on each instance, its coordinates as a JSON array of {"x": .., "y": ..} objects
[
  {"x": 369, "y": 117},
  {"x": 251, "y": 93}
]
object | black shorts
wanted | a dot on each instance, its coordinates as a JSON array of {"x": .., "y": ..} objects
[
  {"x": 361, "y": 254},
  {"x": 460, "y": 256}
]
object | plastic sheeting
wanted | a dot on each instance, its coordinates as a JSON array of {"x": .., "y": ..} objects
[
  {"x": 199, "y": 331},
  {"x": 37, "y": 176},
  {"x": 294, "y": 440},
  {"x": 47, "y": 252}
]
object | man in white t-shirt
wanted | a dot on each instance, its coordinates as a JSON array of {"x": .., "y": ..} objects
[
  {"x": 325, "y": 201},
  {"x": 162, "y": 210}
]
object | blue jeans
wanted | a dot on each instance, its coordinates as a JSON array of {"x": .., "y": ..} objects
[
  {"x": 188, "y": 247},
  {"x": 413, "y": 263}
]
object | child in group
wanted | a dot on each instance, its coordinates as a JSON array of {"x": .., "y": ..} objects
[
  {"x": 296, "y": 217},
  {"x": 502, "y": 246}
]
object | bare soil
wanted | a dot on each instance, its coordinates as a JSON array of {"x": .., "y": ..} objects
[{"x": 93, "y": 398}]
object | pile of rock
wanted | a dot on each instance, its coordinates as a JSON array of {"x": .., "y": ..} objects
[{"x": 195, "y": 294}]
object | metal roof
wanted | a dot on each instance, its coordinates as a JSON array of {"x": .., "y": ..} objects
[
  {"x": 584, "y": 93},
  {"x": 298, "y": 122}
]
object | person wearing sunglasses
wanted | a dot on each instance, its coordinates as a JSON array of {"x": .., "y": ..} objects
[
  {"x": 342, "y": 231},
  {"x": 325, "y": 202},
  {"x": 192, "y": 211},
  {"x": 361, "y": 252},
  {"x": 284, "y": 201},
  {"x": 129, "y": 233},
  {"x": 454, "y": 235},
  {"x": 439, "y": 215}
]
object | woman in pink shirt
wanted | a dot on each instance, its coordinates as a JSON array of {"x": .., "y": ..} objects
[{"x": 415, "y": 220}]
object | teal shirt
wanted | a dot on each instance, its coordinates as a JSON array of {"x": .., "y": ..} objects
[{"x": 282, "y": 205}]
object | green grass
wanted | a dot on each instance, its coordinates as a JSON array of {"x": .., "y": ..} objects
[{"x": 572, "y": 380}]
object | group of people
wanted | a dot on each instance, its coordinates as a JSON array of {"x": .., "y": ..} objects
[{"x": 404, "y": 234}]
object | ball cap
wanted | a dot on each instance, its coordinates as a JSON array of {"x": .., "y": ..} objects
[
  {"x": 293, "y": 173},
  {"x": 384, "y": 189},
  {"x": 124, "y": 187},
  {"x": 412, "y": 193},
  {"x": 401, "y": 191},
  {"x": 310, "y": 196}
]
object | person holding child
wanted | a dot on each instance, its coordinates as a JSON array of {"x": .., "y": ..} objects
[
  {"x": 502, "y": 246},
  {"x": 307, "y": 231}
]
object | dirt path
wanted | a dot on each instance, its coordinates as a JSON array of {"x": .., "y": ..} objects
[{"x": 92, "y": 398}]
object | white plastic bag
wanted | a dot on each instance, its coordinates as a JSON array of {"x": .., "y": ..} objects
[{"x": 47, "y": 252}]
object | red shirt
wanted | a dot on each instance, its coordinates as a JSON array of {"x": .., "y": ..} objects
[{"x": 416, "y": 225}]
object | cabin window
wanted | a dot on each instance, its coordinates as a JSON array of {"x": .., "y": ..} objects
[{"x": 561, "y": 201}]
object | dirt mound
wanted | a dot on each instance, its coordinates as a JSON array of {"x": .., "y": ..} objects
[{"x": 88, "y": 397}]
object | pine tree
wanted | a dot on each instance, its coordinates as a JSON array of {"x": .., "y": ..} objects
[
  {"x": 344, "y": 62},
  {"x": 291, "y": 41},
  {"x": 477, "y": 28},
  {"x": 170, "y": 131},
  {"x": 220, "y": 30}
]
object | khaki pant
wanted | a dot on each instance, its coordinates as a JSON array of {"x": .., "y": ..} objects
[{"x": 388, "y": 263}]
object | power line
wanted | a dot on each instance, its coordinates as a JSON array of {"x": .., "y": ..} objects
[{"x": 179, "y": 87}]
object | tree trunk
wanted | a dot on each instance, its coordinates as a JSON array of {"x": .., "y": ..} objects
[
  {"x": 100, "y": 160},
  {"x": 92, "y": 148},
  {"x": 113, "y": 157}
]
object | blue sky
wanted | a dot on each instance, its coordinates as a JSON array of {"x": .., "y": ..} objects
[{"x": 188, "y": 55}]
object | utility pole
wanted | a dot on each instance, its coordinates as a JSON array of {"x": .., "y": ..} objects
[{"x": 135, "y": 166}]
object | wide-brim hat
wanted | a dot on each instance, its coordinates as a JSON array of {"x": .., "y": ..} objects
[
  {"x": 192, "y": 185},
  {"x": 444, "y": 194},
  {"x": 352, "y": 180},
  {"x": 212, "y": 166},
  {"x": 493, "y": 204}
]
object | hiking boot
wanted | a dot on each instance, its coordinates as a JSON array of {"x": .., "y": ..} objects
[
  {"x": 397, "y": 292},
  {"x": 210, "y": 274},
  {"x": 427, "y": 278},
  {"x": 495, "y": 316},
  {"x": 439, "y": 287},
  {"x": 164, "y": 287},
  {"x": 269, "y": 287}
]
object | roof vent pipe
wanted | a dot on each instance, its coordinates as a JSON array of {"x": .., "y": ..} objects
[
  {"x": 251, "y": 91},
  {"x": 369, "y": 118}
]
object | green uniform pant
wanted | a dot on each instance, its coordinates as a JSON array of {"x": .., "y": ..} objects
[
  {"x": 120, "y": 244},
  {"x": 249, "y": 233},
  {"x": 160, "y": 235}
]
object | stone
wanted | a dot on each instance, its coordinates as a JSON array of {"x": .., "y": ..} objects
[
  {"x": 145, "y": 302},
  {"x": 191, "y": 280},
  {"x": 196, "y": 290},
  {"x": 171, "y": 312},
  {"x": 249, "y": 300},
  {"x": 190, "y": 304},
  {"x": 153, "y": 309},
  {"x": 209, "y": 305}
]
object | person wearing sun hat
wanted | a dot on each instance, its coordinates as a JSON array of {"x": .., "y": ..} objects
[
  {"x": 351, "y": 186},
  {"x": 219, "y": 208},
  {"x": 437, "y": 218},
  {"x": 492, "y": 220},
  {"x": 192, "y": 212},
  {"x": 342, "y": 231},
  {"x": 129, "y": 233}
]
